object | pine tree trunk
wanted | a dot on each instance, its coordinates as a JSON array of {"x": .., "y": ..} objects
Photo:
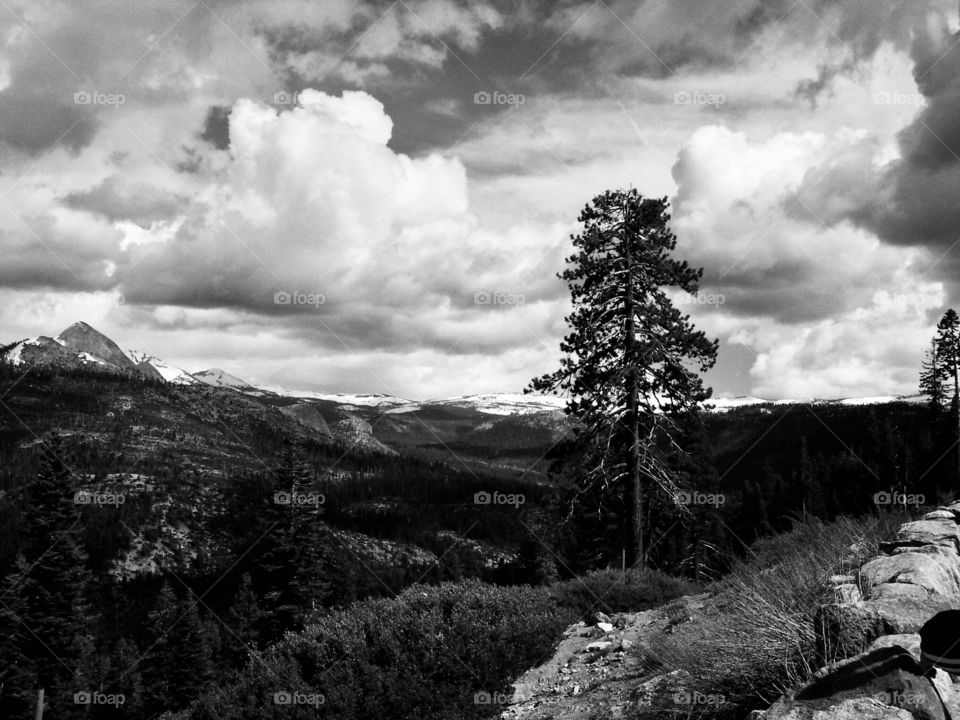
[
  {"x": 632, "y": 495},
  {"x": 956, "y": 412}
]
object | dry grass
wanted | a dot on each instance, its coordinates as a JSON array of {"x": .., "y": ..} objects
[{"x": 757, "y": 639}]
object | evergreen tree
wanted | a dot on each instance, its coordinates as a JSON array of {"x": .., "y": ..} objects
[
  {"x": 178, "y": 663},
  {"x": 46, "y": 616},
  {"x": 630, "y": 351},
  {"x": 538, "y": 565},
  {"x": 297, "y": 558},
  {"x": 932, "y": 377},
  {"x": 244, "y": 618},
  {"x": 948, "y": 358}
]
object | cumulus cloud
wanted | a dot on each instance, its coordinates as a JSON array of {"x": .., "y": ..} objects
[{"x": 830, "y": 311}]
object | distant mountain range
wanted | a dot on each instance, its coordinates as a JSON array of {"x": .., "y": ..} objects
[{"x": 80, "y": 345}]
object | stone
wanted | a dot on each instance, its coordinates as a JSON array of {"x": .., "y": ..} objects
[
  {"x": 843, "y": 630},
  {"x": 600, "y": 617},
  {"x": 841, "y": 579},
  {"x": 938, "y": 573},
  {"x": 941, "y": 513},
  {"x": 847, "y": 593},
  {"x": 896, "y": 590},
  {"x": 605, "y": 626},
  {"x": 926, "y": 532},
  {"x": 602, "y": 646},
  {"x": 879, "y": 683},
  {"x": 949, "y": 692},
  {"x": 908, "y": 641}
]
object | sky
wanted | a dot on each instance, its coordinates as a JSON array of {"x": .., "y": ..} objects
[{"x": 350, "y": 196}]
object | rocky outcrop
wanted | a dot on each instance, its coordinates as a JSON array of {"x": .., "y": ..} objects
[
  {"x": 357, "y": 433},
  {"x": 82, "y": 338},
  {"x": 867, "y": 641},
  {"x": 307, "y": 415}
]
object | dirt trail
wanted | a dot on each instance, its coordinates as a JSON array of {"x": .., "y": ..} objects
[{"x": 596, "y": 671}]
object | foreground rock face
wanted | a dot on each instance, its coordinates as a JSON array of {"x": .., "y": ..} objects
[
  {"x": 869, "y": 646},
  {"x": 596, "y": 670}
]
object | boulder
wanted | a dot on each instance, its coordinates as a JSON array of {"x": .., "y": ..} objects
[
  {"x": 943, "y": 532},
  {"x": 880, "y": 683},
  {"x": 895, "y": 590},
  {"x": 949, "y": 693},
  {"x": 908, "y": 641},
  {"x": 851, "y": 709},
  {"x": 941, "y": 513},
  {"x": 937, "y": 572},
  {"x": 844, "y": 630}
]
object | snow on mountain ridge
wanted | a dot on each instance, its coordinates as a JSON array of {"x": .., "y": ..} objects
[
  {"x": 170, "y": 373},
  {"x": 491, "y": 404},
  {"x": 221, "y": 378}
]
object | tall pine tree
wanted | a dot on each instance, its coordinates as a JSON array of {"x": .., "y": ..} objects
[
  {"x": 948, "y": 358},
  {"x": 631, "y": 357}
]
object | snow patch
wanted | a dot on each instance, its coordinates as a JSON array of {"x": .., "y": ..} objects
[{"x": 491, "y": 404}]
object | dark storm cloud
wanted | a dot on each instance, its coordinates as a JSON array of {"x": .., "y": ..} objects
[
  {"x": 216, "y": 128},
  {"x": 913, "y": 200},
  {"x": 49, "y": 261},
  {"x": 34, "y": 122}
]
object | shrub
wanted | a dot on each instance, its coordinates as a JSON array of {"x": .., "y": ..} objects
[
  {"x": 424, "y": 654},
  {"x": 617, "y": 591}
]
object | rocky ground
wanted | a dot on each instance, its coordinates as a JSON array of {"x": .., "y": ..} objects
[{"x": 599, "y": 669}]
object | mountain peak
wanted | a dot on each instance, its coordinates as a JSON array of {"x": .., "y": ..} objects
[{"x": 82, "y": 338}]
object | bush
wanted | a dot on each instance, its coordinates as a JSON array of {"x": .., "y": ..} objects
[
  {"x": 428, "y": 652},
  {"x": 617, "y": 591},
  {"x": 424, "y": 654}
]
